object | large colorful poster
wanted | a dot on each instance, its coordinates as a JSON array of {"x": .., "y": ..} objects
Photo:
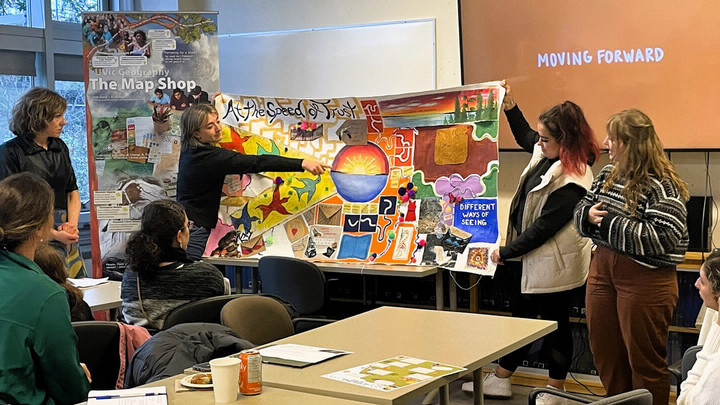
[
  {"x": 413, "y": 179},
  {"x": 141, "y": 72}
]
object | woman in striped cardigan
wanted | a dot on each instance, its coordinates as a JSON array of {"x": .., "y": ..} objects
[{"x": 635, "y": 213}]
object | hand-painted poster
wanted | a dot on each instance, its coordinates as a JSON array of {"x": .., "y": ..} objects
[
  {"x": 413, "y": 179},
  {"x": 141, "y": 72}
]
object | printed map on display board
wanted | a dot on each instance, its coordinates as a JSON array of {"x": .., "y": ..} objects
[{"x": 413, "y": 179}]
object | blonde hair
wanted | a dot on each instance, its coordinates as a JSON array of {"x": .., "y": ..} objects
[
  {"x": 643, "y": 157},
  {"x": 192, "y": 120}
]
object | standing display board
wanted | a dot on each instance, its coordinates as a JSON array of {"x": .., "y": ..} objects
[
  {"x": 413, "y": 179},
  {"x": 134, "y": 134}
]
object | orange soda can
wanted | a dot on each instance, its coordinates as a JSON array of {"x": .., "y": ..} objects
[{"x": 250, "y": 372}]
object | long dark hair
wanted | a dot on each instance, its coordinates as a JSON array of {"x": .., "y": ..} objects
[
  {"x": 161, "y": 220},
  {"x": 578, "y": 147}
]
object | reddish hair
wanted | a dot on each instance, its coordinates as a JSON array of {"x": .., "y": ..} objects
[{"x": 578, "y": 147}]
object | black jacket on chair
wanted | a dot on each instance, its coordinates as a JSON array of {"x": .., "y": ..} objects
[{"x": 171, "y": 351}]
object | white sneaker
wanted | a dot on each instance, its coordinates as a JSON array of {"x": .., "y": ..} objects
[
  {"x": 549, "y": 399},
  {"x": 493, "y": 387}
]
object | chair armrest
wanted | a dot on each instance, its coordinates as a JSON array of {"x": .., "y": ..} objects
[
  {"x": 676, "y": 375},
  {"x": 562, "y": 394},
  {"x": 304, "y": 324},
  {"x": 688, "y": 360}
]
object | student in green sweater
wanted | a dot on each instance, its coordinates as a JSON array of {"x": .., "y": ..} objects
[{"x": 38, "y": 357}]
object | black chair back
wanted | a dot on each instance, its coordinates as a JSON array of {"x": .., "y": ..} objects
[
  {"x": 206, "y": 310},
  {"x": 299, "y": 282},
  {"x": 98, "y": 347}
]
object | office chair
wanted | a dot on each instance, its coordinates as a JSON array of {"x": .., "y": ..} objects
[
  {"x": 298, "y": 282},
  {"x": 98, "y": 347},
  {"x": 679, "y": 371},
  {"x": 206, "y": 310},
  {"x": 635, "y": 397},
  {"x": 257, "y": 318}
]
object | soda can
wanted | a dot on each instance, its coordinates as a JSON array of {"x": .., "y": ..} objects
[{"x": 250, "y": 372}]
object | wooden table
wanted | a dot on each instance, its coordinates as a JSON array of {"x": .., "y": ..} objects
[
  {"x": 104, "y": 296},
  {"x": 456, "y": 338},
  {"x": 357, "y": 268},
  {"x": 269, "y": 396}
]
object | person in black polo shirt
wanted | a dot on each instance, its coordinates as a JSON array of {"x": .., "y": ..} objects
[
  {"x": 37, "y": 122},
  {"x": 203, "y": 167}
]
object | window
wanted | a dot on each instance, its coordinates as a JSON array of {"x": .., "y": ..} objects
[
  {"x": 11, "y": 88},
  {"x": 13, "y": 12},
  {"x": 71, "y": 10},
  {"x": 74, "y": 133}
]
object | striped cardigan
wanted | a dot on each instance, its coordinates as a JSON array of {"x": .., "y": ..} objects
[{"x": 655, "y": 235}]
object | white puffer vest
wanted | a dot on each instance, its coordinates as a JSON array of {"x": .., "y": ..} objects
[{"x": 563, "y": 261}]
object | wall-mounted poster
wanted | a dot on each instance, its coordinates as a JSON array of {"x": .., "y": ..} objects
[
  {"x": 413, "y": 179},
  {"x": 141, "y": 72}
]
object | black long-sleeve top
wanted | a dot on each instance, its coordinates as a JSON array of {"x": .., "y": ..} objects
[
  {"x": 202, "y": 171},
  {"x": 558, "y": 209}
]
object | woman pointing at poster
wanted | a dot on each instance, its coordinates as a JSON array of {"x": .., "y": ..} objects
[
  {"x": 554, "y": 259},
  {"x": 203, "y": 167}
]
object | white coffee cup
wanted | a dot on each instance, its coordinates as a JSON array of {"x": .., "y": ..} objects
[{"x": 225, "y": 374}]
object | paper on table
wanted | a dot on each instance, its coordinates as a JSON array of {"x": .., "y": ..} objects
[
  {"x": 301, "y": 353},
  {"x": 394, "y": 373},
  {"x": 87, "y": 282},
  {"x": 132, "y": 396}
]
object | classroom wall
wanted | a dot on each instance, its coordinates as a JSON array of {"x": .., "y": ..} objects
[{"x": 272, "y": 15}]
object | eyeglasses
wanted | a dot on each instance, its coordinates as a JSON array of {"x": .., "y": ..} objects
[{"x": 189, "y": 225}]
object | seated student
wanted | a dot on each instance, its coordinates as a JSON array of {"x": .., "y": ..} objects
[
  {"x": 701, "y": 385},
  {"x": 198, "y": 96},
  {"x": 38, "y": 355},
  {"x": 179, "y": 100},
  {"x": 54, "y": 266},
  {"x": 159, "y": 99},
  {"x": 160, "y": 276}
]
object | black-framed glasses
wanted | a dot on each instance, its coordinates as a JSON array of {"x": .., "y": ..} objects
[{"x": 189, "y": 225}]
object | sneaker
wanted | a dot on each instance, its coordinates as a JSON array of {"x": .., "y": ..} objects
[
  {"x": 549, "y": 399},
  {"x": 493, "y": 387}
]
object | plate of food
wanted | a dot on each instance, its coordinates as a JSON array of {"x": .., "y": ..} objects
[{"x": 199, "y": 380}]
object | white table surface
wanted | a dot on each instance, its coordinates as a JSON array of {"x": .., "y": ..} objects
[
  {"x": 457, "y": 338},
  {"x": 103, "y": 296}
]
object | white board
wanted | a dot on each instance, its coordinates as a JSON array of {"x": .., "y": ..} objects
[{"x": 364, "y": 60}]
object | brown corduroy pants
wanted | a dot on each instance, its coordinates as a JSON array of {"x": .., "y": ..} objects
[{"x": 629, "y": 308}]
